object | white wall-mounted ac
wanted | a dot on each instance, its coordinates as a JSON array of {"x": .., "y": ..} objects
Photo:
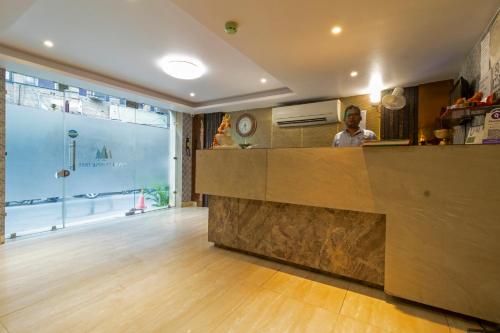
[{"x": 307, "y": 114}]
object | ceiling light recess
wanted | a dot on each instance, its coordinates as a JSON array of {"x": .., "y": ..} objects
[
  {"x": 192, "y": 94},
  {"x": 336, "y": 30},
  {"x": 183, "y": 68},
  {"x": 263, "y": 80},
  {"x": 354, "y": 74},
  {"x": 48, "y": 43}
]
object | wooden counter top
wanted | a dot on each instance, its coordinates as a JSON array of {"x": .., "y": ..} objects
[{"x": 441, "y": 206}]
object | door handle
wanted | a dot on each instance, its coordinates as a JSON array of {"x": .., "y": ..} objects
[
  {"x": 62, "y": 173},
  {"x": 72, "y": 154}
]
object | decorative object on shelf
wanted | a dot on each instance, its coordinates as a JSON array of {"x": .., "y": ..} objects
[
  {"x": 425, "y": 135},
  {"x": 444, "y": 135},
  {"x": 246, "y": 125},
  {"x": 478, "y": 96},
  {"x": 223, "y": 138},
  {"x": 478, "y": 100}
]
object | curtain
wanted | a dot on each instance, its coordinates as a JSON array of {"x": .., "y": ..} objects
[
  {"x": 211, "y": 121},
  {"x": 401, "y": 124}
]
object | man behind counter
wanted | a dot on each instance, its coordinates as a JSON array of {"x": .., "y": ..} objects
[{"x": 353, "y": 135}]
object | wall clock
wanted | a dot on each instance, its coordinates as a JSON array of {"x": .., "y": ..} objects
[{"x": 246, "y": 125}]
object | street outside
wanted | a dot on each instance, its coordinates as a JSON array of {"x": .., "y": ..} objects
[{"x": 26, "y": 219}]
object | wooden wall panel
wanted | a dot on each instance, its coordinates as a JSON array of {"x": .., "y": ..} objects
[
  {"x": 431, "y": 98},
  {"x": 321, "y": 177},
  {"x": 443, "y": 225},
  {"x": 234, "y": 173}
]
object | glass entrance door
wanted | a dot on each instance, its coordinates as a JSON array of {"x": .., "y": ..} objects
[
  {"x": 100, "y": 157},
  {"x": 34, "y": 146}
]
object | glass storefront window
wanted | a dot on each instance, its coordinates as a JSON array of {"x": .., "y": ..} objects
[{"x": 95, "y": 157}]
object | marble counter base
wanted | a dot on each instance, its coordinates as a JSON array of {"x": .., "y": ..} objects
[{"x": 346, "y": 243}]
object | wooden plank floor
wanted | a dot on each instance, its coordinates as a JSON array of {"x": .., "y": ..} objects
[{"x": 158, "y": 273}]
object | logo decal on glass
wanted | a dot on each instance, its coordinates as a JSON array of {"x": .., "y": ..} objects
[{"x": 103, "y": 154}]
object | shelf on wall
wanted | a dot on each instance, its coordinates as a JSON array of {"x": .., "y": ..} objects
[{"x": 468, "y": 111}]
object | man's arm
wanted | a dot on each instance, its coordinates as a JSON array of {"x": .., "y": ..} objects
[
  {"x": 372, "y": 136},
  {"x": 335, "y": 142}
]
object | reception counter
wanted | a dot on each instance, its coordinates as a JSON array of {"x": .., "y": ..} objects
[{"x": 423, "y": 222}]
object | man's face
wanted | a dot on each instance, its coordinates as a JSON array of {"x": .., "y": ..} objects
[{"x": 352, "y": 118}]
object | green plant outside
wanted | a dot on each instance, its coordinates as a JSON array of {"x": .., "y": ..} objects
[{"x": 159, "y": 195}]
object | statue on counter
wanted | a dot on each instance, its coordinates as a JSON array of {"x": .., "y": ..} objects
[{"x": 223, "y": 138}]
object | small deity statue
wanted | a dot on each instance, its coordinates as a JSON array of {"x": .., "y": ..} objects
[{"x": 223, "y": 138}]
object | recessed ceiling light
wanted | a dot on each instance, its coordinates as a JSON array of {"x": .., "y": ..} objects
[
  {"x": 263, "y": 80},
  {"x": 182, "y": 67},
  {"x": 354, "y": 74},
  {"x": 336, "y": 30},
  {"x": 192, "y": 94},
  {"x": 48, "y": 43}
]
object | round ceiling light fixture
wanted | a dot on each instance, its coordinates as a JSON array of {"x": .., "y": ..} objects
[
  {"x": 263, "y": 80},
  {"x": 48, "y": 43},
  {"x": 354, "y": 74},
  {"x": 182, "y": 67},
  {"x": 336, "y": 30}
]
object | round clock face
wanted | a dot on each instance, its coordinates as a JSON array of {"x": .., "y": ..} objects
[{"x": 246, "y": 125}]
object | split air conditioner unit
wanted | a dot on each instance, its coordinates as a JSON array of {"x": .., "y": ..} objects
[{"x": 319, "y": 113}]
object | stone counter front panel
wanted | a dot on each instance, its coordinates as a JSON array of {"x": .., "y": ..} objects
[{"x": 342, "y": 242}]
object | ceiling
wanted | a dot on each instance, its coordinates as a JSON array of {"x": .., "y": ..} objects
[{"x": 288, "y": 42}]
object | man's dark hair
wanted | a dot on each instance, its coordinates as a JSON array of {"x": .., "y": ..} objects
[{"x": 352, "y": 107}]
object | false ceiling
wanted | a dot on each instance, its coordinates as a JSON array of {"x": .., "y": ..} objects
[{"x": 287, "y": 42}]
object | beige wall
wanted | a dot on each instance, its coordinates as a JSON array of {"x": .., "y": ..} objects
[
  {"x": 471, "y": 69},
  {"x": 269, "y": 136},
  {"x": 262, "y": 135},
  {"x": 2, "y": 155}
]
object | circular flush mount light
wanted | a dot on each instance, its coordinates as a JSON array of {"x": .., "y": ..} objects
[
  {"x": 182, "y": 68},
  {"x": 354, "y": 74},
  {"x": 263, "y": 80},
  {"x": 48, "y": 43},
  {"x": 336, "y": 30},
  {"x": 192, "y": 94}
]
